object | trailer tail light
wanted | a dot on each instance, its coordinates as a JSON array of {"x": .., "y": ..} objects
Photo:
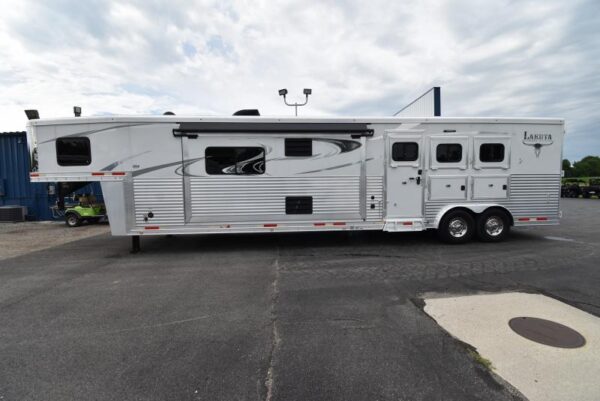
[
  {"x": 339, "y": 223},
  {"x": 524, "y": 219},
  {"x": 151, "y": 227},
  {"x": 407, "y": 223},
  {"x": 319, "y": 224},
  {"x": 270, "y": 225},
  {"x": 34, "y": 174},
  {"x": 96, "y": 173},
  {"x": 541, "y": 218},
  {"x": 118, "y": 173}
]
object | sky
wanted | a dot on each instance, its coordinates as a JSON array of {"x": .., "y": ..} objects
[{"x": 361, "y": 58}]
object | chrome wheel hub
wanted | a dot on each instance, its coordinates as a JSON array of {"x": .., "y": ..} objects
[
  {"x": 458, "y": 227},
  {"x": 494, "y": 226}
]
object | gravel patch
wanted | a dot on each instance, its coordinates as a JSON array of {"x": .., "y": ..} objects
[{"x": 21, "y": 238}]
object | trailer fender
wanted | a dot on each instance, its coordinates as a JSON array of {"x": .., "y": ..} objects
[{"x": 475, "y": 208}]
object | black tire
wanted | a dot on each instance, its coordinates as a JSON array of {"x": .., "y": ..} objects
[
  {"x": 72, "y": 220},
  {"x": 456, "y": 227},
  {"x": 493, "y": 225}
]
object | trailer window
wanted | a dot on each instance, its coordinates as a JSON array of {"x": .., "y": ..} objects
[
  {"x": 298, "y": 147},
  {"x": 405, "y": 151},
  {"x": 298, "y": 205},
  {"x": 449, "y": 153},
  {"x": 73, "y": 151},
  {"x": 491, "y": 152},
  {"x": 235, "y": 160}
]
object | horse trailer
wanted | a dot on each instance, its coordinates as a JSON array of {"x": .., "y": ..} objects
[{"x": 163, "y": 175}]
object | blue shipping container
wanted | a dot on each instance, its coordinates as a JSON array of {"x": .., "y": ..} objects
[{"x": 15, "y": 187}]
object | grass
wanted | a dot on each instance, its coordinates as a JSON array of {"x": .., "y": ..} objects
[{"x": 486, "y": 363}]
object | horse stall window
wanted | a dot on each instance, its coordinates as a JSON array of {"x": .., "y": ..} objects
[
  {"x": 449, "y": 153},
  {"x": 405, "y": 151},
  {"x": 298, "y": 147},
  {"x": 238, "y": 160},
  {"x": 73, "y": 151},
  {"x": 491, "y": 152}
]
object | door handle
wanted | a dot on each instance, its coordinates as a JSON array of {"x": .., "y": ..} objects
[{"x": 418, "y": 180}]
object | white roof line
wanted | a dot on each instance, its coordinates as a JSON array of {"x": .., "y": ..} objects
[{"x": 250, "y": 119}]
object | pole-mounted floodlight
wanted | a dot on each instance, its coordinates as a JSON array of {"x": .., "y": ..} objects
[
  {"x": 284, "y": 92},
  {"x": 77, "y": 111}
]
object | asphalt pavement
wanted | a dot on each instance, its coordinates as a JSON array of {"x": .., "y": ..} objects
[{"x": 327, "y": 316}]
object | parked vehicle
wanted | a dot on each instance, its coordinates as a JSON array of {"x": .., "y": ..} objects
[
  {"x": 161, "y": 175},
  {"x": 571, "y": 188},
  {"x": 87, "y": 210},
  {"x": 593, "y": 188}
]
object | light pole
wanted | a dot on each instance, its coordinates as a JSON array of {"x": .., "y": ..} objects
[{"x": 284, "y": 92}]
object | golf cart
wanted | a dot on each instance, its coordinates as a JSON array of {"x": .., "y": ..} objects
[
  {"x": 87, "y": 209},
  {"x": 77, "y": 208}
]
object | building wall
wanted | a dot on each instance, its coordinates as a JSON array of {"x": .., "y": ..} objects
[{"x": 15, "y": 188}]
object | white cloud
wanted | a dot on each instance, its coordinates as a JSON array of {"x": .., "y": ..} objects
[{"x": 528, "y": 58}]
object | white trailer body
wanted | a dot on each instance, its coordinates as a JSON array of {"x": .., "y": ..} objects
[{"x": 183, "y": 175}]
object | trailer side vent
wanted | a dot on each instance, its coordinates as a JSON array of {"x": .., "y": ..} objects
[
  {"x": 298, "y": 147},
  {"x": 298, "y": 205}
]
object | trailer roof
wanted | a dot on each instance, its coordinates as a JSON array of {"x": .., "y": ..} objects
[{"x": 291, "y": 120}]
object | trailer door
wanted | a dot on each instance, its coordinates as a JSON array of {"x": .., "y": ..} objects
[{"x": 404, "y": 175}]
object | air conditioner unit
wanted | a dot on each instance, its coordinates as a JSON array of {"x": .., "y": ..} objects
[{"x": 13, "y": 213}]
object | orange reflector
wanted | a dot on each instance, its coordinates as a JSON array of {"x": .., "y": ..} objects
[
  {"x": 319, "y": 224},
  {"x": 269, "y": 225},
  {"x": 339, "y": 223},
  {"x": 524, "y": 218},
  {"x": 118, "y": 173},
  {"x": 541, "y": 218},
  {"x": 407, "y": 223},
  {"x": 151, "y": 227},
  {"x": 97, "y": 173}
]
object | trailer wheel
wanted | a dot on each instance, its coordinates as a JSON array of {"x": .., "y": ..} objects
[
  {"x": 457, "y": 227},
  {"x": 493, "y": 225},
  {"x": 72, "y": 220}
]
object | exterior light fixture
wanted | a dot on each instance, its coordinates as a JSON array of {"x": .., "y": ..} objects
[{"x": 284, "y": 92}]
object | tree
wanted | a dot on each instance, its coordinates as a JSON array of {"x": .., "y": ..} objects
[{"x": 589, "y": 166}]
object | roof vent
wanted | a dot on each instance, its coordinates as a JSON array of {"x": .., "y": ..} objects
[
  {"x": 247, "y": 112},
  {"x": 168, "y": 113}
]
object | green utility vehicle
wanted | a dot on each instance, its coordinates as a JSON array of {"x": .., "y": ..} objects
[{"x": 87, "y": 210}]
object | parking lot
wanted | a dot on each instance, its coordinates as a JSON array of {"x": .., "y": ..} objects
[{"x": 329, "y": 316}]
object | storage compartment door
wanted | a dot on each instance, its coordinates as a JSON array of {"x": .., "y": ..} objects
[
  {"x": 490, "y": 187},
  {"x": 447, "y": 188}
]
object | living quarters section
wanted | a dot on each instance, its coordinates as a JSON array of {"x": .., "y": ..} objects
[{"x": 308, "y": 180}]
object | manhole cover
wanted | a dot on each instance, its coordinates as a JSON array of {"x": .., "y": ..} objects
[{"x": 546, "y": 332}]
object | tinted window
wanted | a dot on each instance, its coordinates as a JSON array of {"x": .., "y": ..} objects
[
  {"x": 405, "y": 151},
  {"x": 449, "y": 153},
  {"x": 73, "y": 151},
  {"x": 491, "y": 152},
  {"x": 298, "y": 147},
  {"x": 235, "y": 160}
]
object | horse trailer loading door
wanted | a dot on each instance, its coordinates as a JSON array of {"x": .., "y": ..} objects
[{"x": 404, "y": 175}]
